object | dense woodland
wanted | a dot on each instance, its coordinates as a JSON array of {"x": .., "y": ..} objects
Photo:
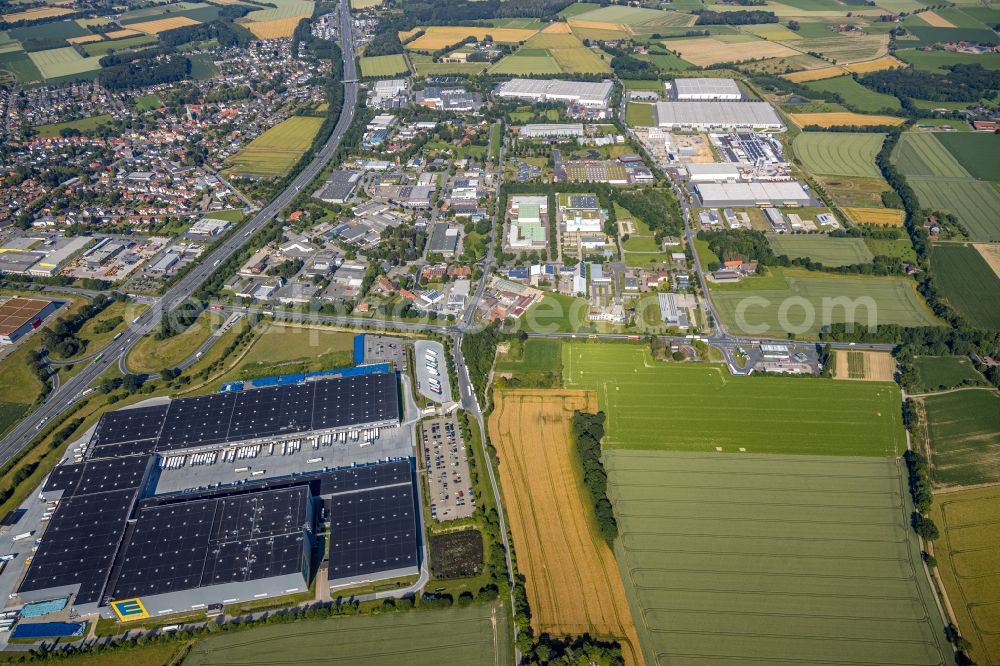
[
  {"x": 588, "y": 431},
  {"x": 741, "y": 17},
  {"x": 962, "y": 83}
]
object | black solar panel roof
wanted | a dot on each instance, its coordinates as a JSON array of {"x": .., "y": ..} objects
[
  {"x": 212, "y": 541},
  {"x": 129, "y": 425},
  {"x": 372, "y": 531}
]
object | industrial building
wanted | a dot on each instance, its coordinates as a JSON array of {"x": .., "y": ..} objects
[
  {"x": 21, "y": 315},
  {"x": 706, "y": 89},
  {"x": 444, "y": 240},
  {"x": 736, "y": 195},
  {"x": 715, "y": 115},
  {"x": 527, "y": 227},
  {"x": 552, "y": 131},
  {"x": 40, "y": 256},
  {"x": 585, "y": 93},
  {"x": 175, "y": 506},
  {"x": 714, "y": 172},
  {"x": 449, "y": 99}
]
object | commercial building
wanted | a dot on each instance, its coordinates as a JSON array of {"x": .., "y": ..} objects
[
  {"x": 339, "y": 187},
  {"x": 527, "y": 230},
  {"x": 706, "y": 89},
  {"x": 718, "y": 115},
  {"x": 444, "y": 240},
  {"x": 21, "y": 315},
  {"x": 583, "y": 93},
  {"x": 552, "y": 131},
  {"x": 449, "y": 99},
  {"x": 208, "y": 226},
  {"x": 787, "y": 193},
  {"x": 153, "y": 515},
  {"x": 716, "y": 172}
]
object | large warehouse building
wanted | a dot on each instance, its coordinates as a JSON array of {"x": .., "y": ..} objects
[
  {"x": 584, "y": 93},
  {"x": 786, "y": 193},
  {"x": 22, "y": 315},
  {"x": 715, "y": 115},
  {"x": 211, "y": 500},
  {"x": 706, "y": 89}
]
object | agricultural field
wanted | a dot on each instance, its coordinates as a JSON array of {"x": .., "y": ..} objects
[
  {"x": 843, "y": 118},
  {"x": 832, "y": 252},
  {"x": 969, "y": 566},
  {"x": 82, "y": 124},
  {"x": 277, "y": 150},
  {"x": 856, "y": 95},
  {"x": 922, "y": 154},
  {"x": 521, "y": 65},
  {"x": 563, "y": 51},
  {"x": 532, "y": 363},
  {"x": 424, "y": 65},
  {"x": 740, "y": 558},
  {"x": 658, "y": 406},
  {"x": 276, "y": 28},
  {"x": 849, "y": 49},
  {"x": 975, "y": 151},
  {"x": 102, "y": 48},
  {"x": 863, "y": 67},
  {"x": 35, "y": 14},
  {"x": 882, "y": 217},
  {"x": 939, "y": 373},
  {"x": 939, "y": 60},
  {"x": 706, "y": 51},
  {"x": 436, "y": 38},
  {"x": 901, "y": 248},
  {"x": 635, "y": 20},
  {"x": 478, "y": 634},
  {"x": 864, "y": 366},
  {"x": 974, "y": 202},
  {"x": 65, "y": 61},
  {"x": 962, "y": 431},
  {"x": 968, "y": 283},
  {"x": 831, "y": 299},
  {"x": 157, "y": 26},
  {"x": 283, "y": 9},
  {"x": 571, "y": 575},
  {"x": 387, "y": 65},
  {"x": 839, "y": 153},
  {"x": 991, "y": 255}
]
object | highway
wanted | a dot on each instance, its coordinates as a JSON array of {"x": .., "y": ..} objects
[{"x": 60, "y": 400}]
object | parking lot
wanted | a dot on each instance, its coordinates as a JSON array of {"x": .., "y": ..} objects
[
  {"x": 425, "y": 373},
  {"x": 385, "y": 349},
  {"x": 447, "y": 468}
]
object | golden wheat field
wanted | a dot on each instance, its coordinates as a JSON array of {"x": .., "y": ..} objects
[
  {"x": 162, "y": 25},
  {"x": 707, "y": 51},
  {"x": 573, "y": 583},
  {"x": 936, "y": 20},
  {"x": 991, "y": 253},
  {"x": 865, "y": 67},
  {"x": 122, "y": 34},
  {"x": 864, "y": 366},
  {"x": 885, "y": 217},
  {"x": 842, "y": 118},
  {"x": 274, "y": 29},
  {"x": 83, "y": 39},
  {"x": 35, "y": 14}
]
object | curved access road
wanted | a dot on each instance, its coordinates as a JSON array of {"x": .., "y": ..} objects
[{"x": 73, "y": 389}]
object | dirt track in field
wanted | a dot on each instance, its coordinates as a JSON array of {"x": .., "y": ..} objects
[{"x": 573, "y": 583}]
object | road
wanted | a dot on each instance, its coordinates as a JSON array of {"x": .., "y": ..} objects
[{"x": 71, "y": 391}]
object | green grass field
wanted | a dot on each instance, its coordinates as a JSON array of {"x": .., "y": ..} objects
[
  {"x": 922, "y": 154},
  {"x": 933, "y": 60},
  {"x": 975, "y": 202},
  {"x": 555, "y": 313},
  {"x": 642, "y": 21},
  {"x": 83, "y": 124},
  {"x": 478, "y": 634},
  {"x": 900, "y": 247},
  {"x": 387, "y": 65},
  {"x": 638, "y": 114},
  {"x": 102, "y": 48},
  {"x": 977, "y": 152},
  {"x": 283, "y": 9},
  {"x": 520, "y": 65},
  {"x": 937, "y": 373},
  {"x": 147, "y": 102},
  {"x": 732, "y": 558},
  {"x": 10, "y": 413},
  {"x": 968, "y": 283},
  {"x": 811, "y": 300},
  {"x": 698, "y": 407},
  {"x": 839, "y": 153},
  {"x": 532, "y": 363},
  {"x": 964, "y": 432},
  {"x": 307, "y": 349},
  {"x": 828, "y": 251},
  {"x": 277, "y": 150},
  {"x": 856, "y": 95},
  {"x": 56, "y": 63}
]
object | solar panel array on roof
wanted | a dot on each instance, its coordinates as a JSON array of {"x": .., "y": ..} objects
[
  {"x": 129, "y": 425},
  {"x": 213, "y": 541},
  {"x": 372, "y": 531}
]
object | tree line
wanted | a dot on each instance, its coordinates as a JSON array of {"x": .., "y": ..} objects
[{"x": 588, "y": 431}]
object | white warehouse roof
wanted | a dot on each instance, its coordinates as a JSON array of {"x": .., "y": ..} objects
[
  {"x": 705, "y": 88},
  {"x": 749, "y": 194},
  {"x": 717, "y": 114},
  {"x": 723, "y": 170},
  {"x": 583, "y": 92}
]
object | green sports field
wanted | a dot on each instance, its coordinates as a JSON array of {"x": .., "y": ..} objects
[
  {"x": 964, "y": 432},
  {"x": 387, "y": 65},
  {"x": 828, "y": 251},
  {"x": 936, "y": 373},
  {"x": 968, "y": 283},
  {"x": 699, "y": 407},
  {"x": 277, "y": 150},
  {"x": 478, "y": 634},
  {"x": 856, "y": 95},
  {"x": 802, "y": 302},
  {"x": 839, "y": 153},
  {"x": 733, "y": 558}
]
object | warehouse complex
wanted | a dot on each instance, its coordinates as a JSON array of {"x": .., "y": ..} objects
[
  {"x": 706, "y": 89},
  {"x": 22, "y": 315},
  {"x": 784, "y": 193},
  {"x": 715, "y": 115},
  {"x": 217, "y": 499},
  {"x": 584, "y": 93}
]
